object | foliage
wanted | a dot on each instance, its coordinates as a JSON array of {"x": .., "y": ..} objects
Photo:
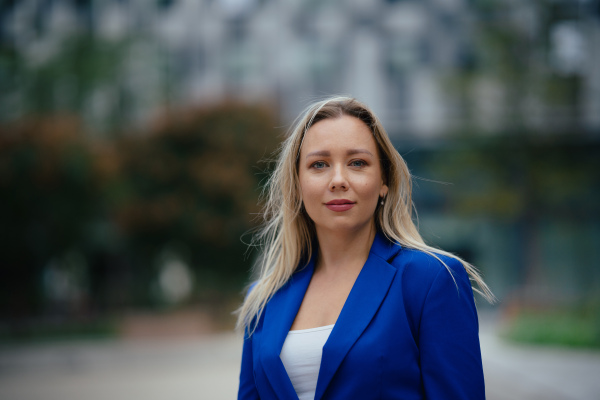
[
  {"x": 538, "y": 195},
  {"x": 60, "y": 330},
  {"x": 80, "y": 74},
  {"x": 108, "y": 211},
  {"x": 510, "y": 177},
  {"x": 510, "y": 57},
  {"x": 579, "y": 327},
  {"x": 194, "y": 181},
  {"x": 45, "y": 175}
]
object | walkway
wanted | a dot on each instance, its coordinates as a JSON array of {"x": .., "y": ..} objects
[{"x": 207, "y": 368}]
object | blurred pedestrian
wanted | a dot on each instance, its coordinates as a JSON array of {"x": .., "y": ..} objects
[{"x": 350, "y": 303}]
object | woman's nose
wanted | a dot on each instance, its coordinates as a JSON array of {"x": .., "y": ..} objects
[{"x": 338, "y": 180}]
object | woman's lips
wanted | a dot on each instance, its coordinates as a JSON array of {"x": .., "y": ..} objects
[{"x": 340, "y": 205}]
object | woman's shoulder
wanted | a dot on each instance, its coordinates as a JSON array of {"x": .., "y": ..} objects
[
  {"x": 422, "y": 263},
  {"x": 420, "y": 269},
  {"x": 432, "y": 279}
]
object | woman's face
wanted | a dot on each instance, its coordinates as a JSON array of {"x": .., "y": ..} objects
[{"x": 340, "y": 174}]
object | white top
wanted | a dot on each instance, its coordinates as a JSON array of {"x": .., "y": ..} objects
[{"x": 301, "y": 356}]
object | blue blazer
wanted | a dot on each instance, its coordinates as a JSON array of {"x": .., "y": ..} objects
[{"x": 408, "y": 330}]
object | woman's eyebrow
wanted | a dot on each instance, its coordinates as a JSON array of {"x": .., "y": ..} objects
[
  {"x": 351, "y": 152},
  {"x": 327, "y": 153},
  {"x": 320, "y": 153}
]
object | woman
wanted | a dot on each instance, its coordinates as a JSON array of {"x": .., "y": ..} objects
[{"x": 350, "y": 302}]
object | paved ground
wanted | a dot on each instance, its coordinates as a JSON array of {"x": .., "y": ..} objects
[
  {"x": 207, "y": 368},
  {"x": 538, "y": 373}
]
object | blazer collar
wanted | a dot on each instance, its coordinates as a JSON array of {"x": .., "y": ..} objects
[
  {"x": 365, "y": 298},
  {"x": 360, "y": 307},
  {"x": 384, "y": 248},
  {"x": 280, "y": 313}
]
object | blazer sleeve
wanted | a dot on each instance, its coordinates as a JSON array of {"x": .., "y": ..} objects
[
  {"x": 450, "y": 355},
  {"x": 247, "y": 389}
]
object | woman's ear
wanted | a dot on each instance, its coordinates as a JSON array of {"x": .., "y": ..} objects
[{"x": 383, "y": 191}]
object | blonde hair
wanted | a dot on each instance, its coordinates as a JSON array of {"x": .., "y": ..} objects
[{"x": 287, "y": 235}]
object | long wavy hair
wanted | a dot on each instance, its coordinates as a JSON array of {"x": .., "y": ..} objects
[{"x": 287, "y": 235}]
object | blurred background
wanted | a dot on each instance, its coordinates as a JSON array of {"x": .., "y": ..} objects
[{"x": 135, "y": 134}]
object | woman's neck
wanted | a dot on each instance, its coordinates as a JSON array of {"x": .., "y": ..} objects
[{"x": 344, "y": 251}]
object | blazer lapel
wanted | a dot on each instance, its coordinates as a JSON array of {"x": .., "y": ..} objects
[
  {"x": 360, "y": 307},
  {"x": 280, "y": 313}
]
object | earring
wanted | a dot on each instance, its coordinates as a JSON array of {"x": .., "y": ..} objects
[{"x": 381, "y": 202}]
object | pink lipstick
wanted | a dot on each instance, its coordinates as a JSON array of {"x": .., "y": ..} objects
[{"x": 340, "y": 205}]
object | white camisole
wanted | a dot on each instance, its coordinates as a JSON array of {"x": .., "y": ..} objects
[{"x": 301, "y": 356}]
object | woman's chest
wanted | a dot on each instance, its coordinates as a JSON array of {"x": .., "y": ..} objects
[
  {"x": 323, "y": 302},
  {"x": 368, "y": 361}
]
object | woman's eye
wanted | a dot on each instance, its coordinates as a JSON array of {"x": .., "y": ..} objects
[
  {"x": 357, "y": 163},
  {"x": 318, "y": 164}
]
